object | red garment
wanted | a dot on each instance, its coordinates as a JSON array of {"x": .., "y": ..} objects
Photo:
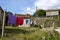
[{"x": 19, "y": 21}]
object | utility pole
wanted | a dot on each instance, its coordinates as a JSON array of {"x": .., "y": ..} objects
[
  {"x": 36, "y": 10},
  {"x": 3, "y": 24}
]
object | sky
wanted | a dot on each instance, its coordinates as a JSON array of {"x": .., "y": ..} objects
[{"x": 28, "y": 6}]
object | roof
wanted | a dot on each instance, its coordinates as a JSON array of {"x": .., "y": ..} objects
[
  {"x": 1, "y": 9},
  {"x": 24, "y": 16},
  {"x": 52, "y": 10}
]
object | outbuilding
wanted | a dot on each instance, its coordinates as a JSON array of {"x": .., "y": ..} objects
[
  {"x": 1, "y": 17},
  {"x": 25, "y": 20}
]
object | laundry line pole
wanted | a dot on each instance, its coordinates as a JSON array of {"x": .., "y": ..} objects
[{"x": 3, "y": 25}]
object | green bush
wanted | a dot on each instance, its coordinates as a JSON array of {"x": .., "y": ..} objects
[{"x": 37, "y": 34}]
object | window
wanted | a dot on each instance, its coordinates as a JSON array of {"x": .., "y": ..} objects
[{"x": 26, "y": 21}]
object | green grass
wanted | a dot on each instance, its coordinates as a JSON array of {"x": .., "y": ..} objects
[{"x": 16, "y": 33}]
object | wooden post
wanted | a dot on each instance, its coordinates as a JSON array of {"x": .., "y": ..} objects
[
  {"x": 3, "y": 24},
  {"x": 58, "y": 16}
]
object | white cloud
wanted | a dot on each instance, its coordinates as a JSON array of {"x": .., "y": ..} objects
[
  {"x": 29, "y": 10},
  {"x": 32, "y": 11},
  {"x": 47, "y": 4}
]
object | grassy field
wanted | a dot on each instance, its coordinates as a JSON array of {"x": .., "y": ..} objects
[{"x": 16, "y": 33}]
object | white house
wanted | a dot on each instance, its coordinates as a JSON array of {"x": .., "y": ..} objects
[
  {"x": 51, "y": 13},
  {"x": 26, "y": 22}
]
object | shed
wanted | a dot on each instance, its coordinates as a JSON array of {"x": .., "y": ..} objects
[{"x": 1, "y": 17}]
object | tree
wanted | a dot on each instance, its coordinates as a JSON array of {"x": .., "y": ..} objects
[
  {"x": 39, "y": 13},
  {"x": 59, "y": 13}
]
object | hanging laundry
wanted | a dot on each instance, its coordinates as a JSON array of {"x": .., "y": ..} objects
[
  {"x": 11, "y": 19},
  {"x": 19, "y": 21},
  {"x": 27, "y": 21}
]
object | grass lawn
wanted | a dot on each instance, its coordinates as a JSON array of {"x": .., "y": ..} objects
[{"x": 16, "y": 33}]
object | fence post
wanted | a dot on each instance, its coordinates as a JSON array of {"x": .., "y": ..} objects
[{"x": 3, "y": 24}]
